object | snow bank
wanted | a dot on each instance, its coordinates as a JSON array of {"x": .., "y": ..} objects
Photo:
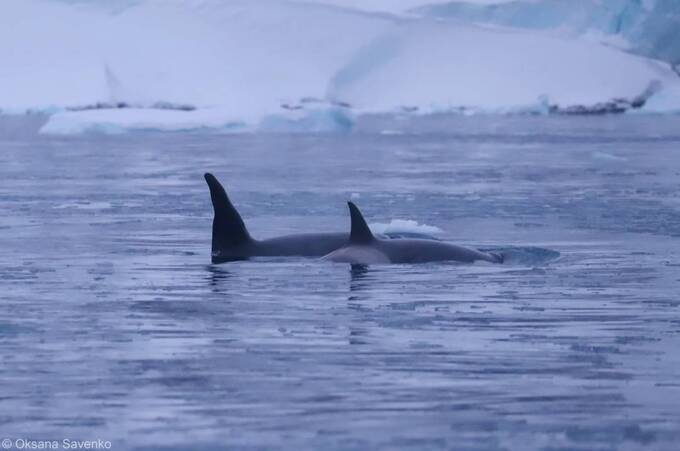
[{"x": 285, "y": 65}]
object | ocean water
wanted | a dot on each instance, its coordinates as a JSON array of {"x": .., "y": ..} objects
[{"x": 115, "y": 326}]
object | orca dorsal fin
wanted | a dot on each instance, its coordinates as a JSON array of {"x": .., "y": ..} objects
[
  {"x": 360, "y": 232},
  {"x": 228, "y": 227}
]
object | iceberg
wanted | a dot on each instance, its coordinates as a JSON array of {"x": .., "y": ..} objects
[
  {"x": 240, "y": 61},
  {"x": 432, "y": 67},
  {"x": 279, "y": 65}
]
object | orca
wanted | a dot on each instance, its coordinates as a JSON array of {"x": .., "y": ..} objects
[
  {"x": 231, "y": 240},
  {"x": 363, "y": 248}
]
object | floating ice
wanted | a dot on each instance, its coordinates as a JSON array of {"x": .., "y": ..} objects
[
  {"x": 113, "y": 121},
  {"x": 120, "y": 120},
  {"x": 397, "y": 226}
]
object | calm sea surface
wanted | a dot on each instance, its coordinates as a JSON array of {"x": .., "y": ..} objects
[{"x": 114, "y": 325}]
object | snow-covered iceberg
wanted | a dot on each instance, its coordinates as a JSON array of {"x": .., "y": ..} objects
[
  {"x": 236, "y": 65},
  {"x": 278, "y": 65},
  {"x": 435, "y": 67}
]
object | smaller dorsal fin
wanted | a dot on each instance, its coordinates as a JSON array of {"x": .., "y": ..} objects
[{"x": 360, "y": 232}]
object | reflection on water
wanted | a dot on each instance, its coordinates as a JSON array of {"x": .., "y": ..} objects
[
  {"x": 360, "y": 279},
  {"x": 219, "y": 278}
]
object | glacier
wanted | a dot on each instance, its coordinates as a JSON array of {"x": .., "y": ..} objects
[
  {"x": 647, "y": 27},
  {"x": 278, "y": 65}
]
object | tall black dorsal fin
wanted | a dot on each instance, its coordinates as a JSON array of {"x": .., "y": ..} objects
[
  {"x": 228, "y": 227},
  {"x": 360, "y": 232}
]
